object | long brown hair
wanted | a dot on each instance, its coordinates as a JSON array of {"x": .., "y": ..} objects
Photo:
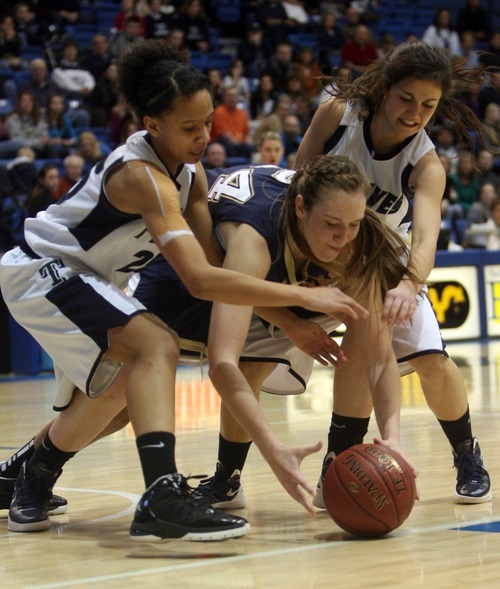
[
  {"x": 375, "y": 261},
  {"x": 420, "y": 61}
]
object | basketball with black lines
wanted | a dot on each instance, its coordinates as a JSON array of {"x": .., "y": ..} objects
[{"x": 369, "y": 490}]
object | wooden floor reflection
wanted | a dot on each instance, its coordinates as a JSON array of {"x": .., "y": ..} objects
[{"x": 441, "y": 545}]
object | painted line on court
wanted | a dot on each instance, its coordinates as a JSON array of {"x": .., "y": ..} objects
[
  {"x": 234, "y": 559},
  {"x": 132, "y": 497}
]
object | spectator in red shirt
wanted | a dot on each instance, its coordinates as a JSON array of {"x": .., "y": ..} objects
[
  {"x": 231, "y": 125},
  {"x": 359, "y": 52}
]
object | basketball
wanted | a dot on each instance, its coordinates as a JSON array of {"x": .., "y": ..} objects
[{"x": 369, "y": 490}]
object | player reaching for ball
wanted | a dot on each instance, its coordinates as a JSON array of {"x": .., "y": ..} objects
[
  {"x": 307, "y": 227},
  {"x": 380, "y": 121},
  {"x": 65, "y": 286}
]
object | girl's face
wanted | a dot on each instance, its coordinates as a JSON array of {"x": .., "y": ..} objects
[
  {"x": 465, "y": 164},
  {"x": 266, "y": 83},
  {"x": 86, "y": 145},
  {"x": 271, "y": 152},
  {"x": 181, "y": 135},
  {"x": 26, "y": 103},
  {"x": 56, "y": 104},
  {"x": 51, "y": 180},
  {"x": 409, "y": 105},
  {"x": 332, "y": 223}
]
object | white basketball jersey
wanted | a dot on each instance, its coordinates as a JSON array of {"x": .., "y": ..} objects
[
  {"x": 388, "y": 173},
  {"x": 89, "y": 233}
]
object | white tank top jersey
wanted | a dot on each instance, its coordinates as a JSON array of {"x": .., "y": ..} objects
[
  {"x": 86, "y": 231},
  {"x": 388, "y": 174}
]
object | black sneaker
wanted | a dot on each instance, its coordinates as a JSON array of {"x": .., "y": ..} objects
[
  {"x": 222, "y": 491},
  {"x": 57, "y": 504},
  {"x": 318, "y": 500},
  {"x": 473, "y": 480},
  {"x": 30, "y": 505},
  {"x": 168, "y": 510}
]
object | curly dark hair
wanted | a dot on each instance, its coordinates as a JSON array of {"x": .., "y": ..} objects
[
  {"x": 420, "y": 61},
  {"x": 151, "y": 76}
]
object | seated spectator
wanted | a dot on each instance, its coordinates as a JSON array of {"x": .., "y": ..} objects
[
  {"x": 386, "y": 44},
  {"x": 231, "y": 125},
  {"x": 22, "y": 171},
  {"x": 192, "y": 20},
  {"x": 130, "y": 8},
  {"x": 103, "y": 97},
  {"x": 175, "y": 40},
  {"x": 97, "y": 60},
  {"x": 280, "y": 66},
  {"x": 442, "y": 34},
  {"x": 291, "y": 134},
  {"x": 76, "y": 82},
  {"x": 26, "y": 24},
  {"x": 468, "y": 49},
  {"x": 263, "y": 98},
  {"x": 158, "y": 22},
  {"x": 451, "y": 211},
  {"x": 237, "y": 78},
  {"x": 272, "y": 17},
  {"x": 90, "y": 149},
  {"x": 491, "y": 55},
  {"x": 295, "y": 86},
  {"x": 485, "y": 163},
  {"x": 351, "y": 22},
  {"x": 62, "y": 136},
  {"x": 359, "y": 52},
  {"x": 330, "y": 40},
  {"x": 491, "y": 122},
  {"x": 309, "y": 70},
  {"x": 39, "y": 83},
  {"x": 445, "y": 143},
  {"x": 73, "y": 170},
  {"x": 480, "y": 210},
  {"x": 10, "y": 45},
  {"x": 465, "y": 182},
  {"x": 270, "y": 150},
  {"x": 120, "y": 114},
  {"x": 42, "y": 195},
  {"x": 487, "y": 233},
  {"x": 253, "y": 51},
  {"x": 215, "y": 78},
  {"x": 215, "y": 156},
  {"x": 303, "y": 110},
  {"x": 473, "y": 17},
  {"x": 17, "y": 180},
  {"x": 123, "y": 40},
  {"x": 26, "y": 127}
]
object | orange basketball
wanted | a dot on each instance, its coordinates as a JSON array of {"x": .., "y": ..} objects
[{"x": 369, "y": 490}]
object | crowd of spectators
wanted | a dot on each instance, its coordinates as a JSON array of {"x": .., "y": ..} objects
[{"x": 62, "y": 105}]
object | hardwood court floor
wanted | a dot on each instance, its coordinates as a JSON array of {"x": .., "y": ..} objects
[{"x": 441, "y": 546}]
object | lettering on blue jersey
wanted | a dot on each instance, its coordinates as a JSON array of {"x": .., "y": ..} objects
[
  {"x": 51, "y": 270},
  {"x": 143, "y": 259}
]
